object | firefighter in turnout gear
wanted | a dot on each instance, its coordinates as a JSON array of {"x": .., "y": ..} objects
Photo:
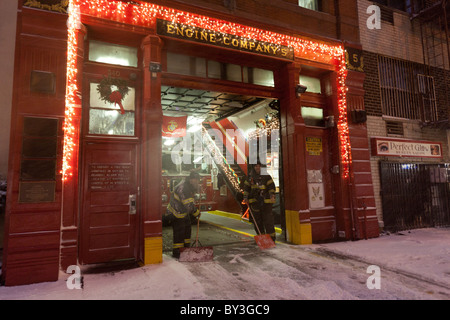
[
  {"x": 181, "y": 210},
  {"x": 259, "y": 195}
]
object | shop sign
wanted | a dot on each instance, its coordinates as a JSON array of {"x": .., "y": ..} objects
[
  {"x": 406, "y": 148},
  {"x": 190, "y": 33},
  {"x": 314, "y": 146}
]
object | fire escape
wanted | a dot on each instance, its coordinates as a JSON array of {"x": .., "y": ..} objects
[{"x": 433, "y": 85}]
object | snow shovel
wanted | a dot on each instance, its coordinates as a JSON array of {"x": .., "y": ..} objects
[
  {"x": 196, "y": 253},
  {"x": 264, "y": 241}
]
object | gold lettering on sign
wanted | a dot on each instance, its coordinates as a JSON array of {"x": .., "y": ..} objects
[{"x": 185, "y": 32}]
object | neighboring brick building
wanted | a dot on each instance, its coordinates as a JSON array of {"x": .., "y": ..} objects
[{"x": 407, "y": 56}]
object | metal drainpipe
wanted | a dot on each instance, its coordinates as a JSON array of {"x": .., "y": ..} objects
[{"x": 352, "y": 210}]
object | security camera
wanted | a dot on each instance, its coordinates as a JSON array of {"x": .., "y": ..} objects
[{"x": 299, "y": 89}]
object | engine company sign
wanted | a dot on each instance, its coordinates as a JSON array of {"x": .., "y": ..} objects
[
  {"x": 185, "y": 32},
  {"x": 406, "y": 148}
]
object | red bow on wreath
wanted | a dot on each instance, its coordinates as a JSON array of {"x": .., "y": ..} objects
[{"x": 116, "y": 98}]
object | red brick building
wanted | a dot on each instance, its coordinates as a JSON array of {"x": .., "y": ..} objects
[{"x": 87, "y": 180}]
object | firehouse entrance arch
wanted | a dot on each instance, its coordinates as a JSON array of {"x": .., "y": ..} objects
[
  {"x": 211, "y": 56},
  {"x": 122, "y": 200}
]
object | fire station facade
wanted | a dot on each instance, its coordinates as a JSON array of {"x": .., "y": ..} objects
[{"x": 85, "y": 178}]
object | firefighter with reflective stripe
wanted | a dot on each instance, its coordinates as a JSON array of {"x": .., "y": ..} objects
[
  {"x": 259, "y": 195},
  {"x": 181, "y": 210}
]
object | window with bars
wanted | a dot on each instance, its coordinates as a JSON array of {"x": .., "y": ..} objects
[
  {"x": 403, "y": 5},
  {"x": 405, "y": 92},
  {"x": 428, "y": 97}
]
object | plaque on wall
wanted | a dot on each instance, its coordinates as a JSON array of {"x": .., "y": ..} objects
[
  {"x": 110, "y": 176},
  {"x": 314, "y": 146},
  {"x": 42, "y": 82},
  {"x": 34, "y": 192}
]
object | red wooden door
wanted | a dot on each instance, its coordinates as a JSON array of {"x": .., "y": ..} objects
[
  {"x": 320, "y": 183},
  {"x": 109, "y": 198}
]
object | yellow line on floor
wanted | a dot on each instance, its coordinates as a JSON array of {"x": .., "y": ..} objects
[
  {"x": 229, "y": 229},
  {"x": 233, "y": 230},
  {"x": 236, "y": 217}
]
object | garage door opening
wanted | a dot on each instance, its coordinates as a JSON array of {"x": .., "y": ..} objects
[{"x": 220, "y": 136}]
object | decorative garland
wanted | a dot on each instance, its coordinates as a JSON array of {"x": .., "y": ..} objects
[
  {"x": 60, "y": 7},
  {"x": 144, "y": 14},
  {"x": 116, "y": 96}
]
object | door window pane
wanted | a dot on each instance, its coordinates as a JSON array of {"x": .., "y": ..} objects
[
  {"x": 112, "y": 54},
  {"x": 312, "y": 84},
  {"x": 97, "y": 102},
  {"x": 111, "y": 118},
  {"x": 313, "y": 116},
  {"x": 111, "y": 122}
]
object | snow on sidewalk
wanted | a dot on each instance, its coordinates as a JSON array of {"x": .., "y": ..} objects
[
  {"x": 242, "y": 271},
  {"x": 422, "y": 252}
]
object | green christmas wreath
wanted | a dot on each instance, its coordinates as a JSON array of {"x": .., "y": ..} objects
[{"x": 104, "y": 88}]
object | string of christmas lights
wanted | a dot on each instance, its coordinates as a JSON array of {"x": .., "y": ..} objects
[
  {"x": 264, "y": 131},
  {"x": 220, "y": 160},
  {"x": 145, "y": 14},
  {"x": 73, "y": 25}
]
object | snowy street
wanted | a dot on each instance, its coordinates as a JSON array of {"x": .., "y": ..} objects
[{"x": 412, "y": 265}]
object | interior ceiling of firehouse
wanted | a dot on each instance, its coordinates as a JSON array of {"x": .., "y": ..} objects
[{"x": 204, "y": 104}]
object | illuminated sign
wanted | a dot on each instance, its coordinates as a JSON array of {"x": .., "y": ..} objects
[
  {"x": 205, "y": 36},
  {"x": 406, "y": 148}
]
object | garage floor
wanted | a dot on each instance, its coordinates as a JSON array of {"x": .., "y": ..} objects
[{"x": 216, "y": 229}]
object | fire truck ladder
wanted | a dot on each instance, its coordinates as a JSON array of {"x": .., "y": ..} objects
[{"x": 232, "y": 174}]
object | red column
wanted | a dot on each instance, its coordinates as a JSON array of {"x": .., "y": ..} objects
[
  {"x": 364, "y": 216},
  {"x": 292, "y": 132},
  {"x": 151, "y": 159}
]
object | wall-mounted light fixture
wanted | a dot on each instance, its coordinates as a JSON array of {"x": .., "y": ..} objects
[
  {"x": 329, "y": 122},
  {"x": 155, "y": 68},
  {"x": 299, "y": 89}
]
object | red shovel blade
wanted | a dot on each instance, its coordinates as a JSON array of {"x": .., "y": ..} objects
[{"x": 264, "y": 241}]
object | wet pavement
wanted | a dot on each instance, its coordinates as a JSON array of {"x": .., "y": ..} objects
[{"x": 217, "y": 229}]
